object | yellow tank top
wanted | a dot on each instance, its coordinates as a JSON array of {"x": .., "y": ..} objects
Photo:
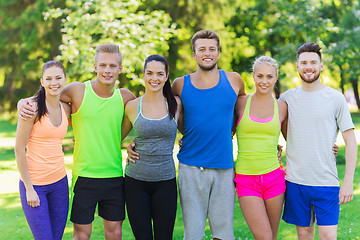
[
  {"x": 257, "y": 143},
  {"x": 97, "y": 133}
]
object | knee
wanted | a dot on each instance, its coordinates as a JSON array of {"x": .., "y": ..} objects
[
  {"x": 81, "y": 235},
  {"x": 306, "y": 233}
]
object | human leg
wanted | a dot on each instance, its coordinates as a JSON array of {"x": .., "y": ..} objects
[
  {"x": 82, "y": 231},
  {"x": 273, "y": 209},
  {"x": 327, "y": 232},
  {"x": 113, "y": 230},
  {"x": 86, "y": 195},
  {"x": 164, "y": 203},
  {"x": 111, "y": 206},
  {"x": 138, "y": 206},
  {"x": 38, "y": 217},
  {"x": 58, "y": 201},
  {"x": 255, "y": 214},
  {"x": 305, "y": 233},
  {"x": 221, "y": 203},
  {"x": 194, "y": 191}
]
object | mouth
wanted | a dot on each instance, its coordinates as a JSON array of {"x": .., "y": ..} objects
[
  {"x": 309, "y": 74},
  {"x": 207, "y": 60},
  {"x": 107, "y": 77},
  {"x": 154, "y": 84},
  {"x": 263, "y": 87}
]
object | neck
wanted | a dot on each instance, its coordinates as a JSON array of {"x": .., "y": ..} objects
[
  {"x": 208, "y": 76},
  {"x": 314, "y": 86},
  {"x": 262, "y": 97},
  {"x": 153, "y": 96},
  {"x": 52, "y": 101},
  {"x": 103, "y": 90}
]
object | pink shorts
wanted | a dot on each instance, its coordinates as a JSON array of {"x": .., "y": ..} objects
[{"x": 265, "y": 186}]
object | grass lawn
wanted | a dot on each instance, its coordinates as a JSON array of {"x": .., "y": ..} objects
[{"x": 13, "y": 225}]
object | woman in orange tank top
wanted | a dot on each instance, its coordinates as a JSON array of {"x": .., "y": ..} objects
[{"x": 43, "y": 182}]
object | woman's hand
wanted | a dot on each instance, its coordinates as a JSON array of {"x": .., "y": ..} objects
[{"x": 32, "y": 198}]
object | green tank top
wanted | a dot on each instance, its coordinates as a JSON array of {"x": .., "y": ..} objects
[
  {"x": 257, "y": 143},
  {"x": 97, "y": 133}
]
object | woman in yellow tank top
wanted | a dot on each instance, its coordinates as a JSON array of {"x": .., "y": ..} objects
[
  {"x": 260, "y": 179},
  {"x": 43, "y": 185}
]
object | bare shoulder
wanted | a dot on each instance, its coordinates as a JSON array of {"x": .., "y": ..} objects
[
  {"x": 73, "y": 92},
  {"x": 179, "y": 103},
  {"x": 283, "y": 109},
  {"x": 240, "y": 104},
  {"x": 131, "y": 109},
  {"x": 177, "y": 86},
  {"x": 236, "y": 82},
  {"x": 134, "y": 103},
  {"x": 127, "y": 95}
]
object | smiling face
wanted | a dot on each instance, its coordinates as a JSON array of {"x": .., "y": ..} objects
[
  {"x": 206, "y": 53},
  {"x": 155, "y": 76},
  {"x": 53, "y": 80},
  {"x": 309, "y": 66},
  {"x": 265, "y": 77},
  {"x": 107, "y": 67}
]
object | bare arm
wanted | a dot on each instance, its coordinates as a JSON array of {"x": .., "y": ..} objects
[
  {"x": 26, "y": 108},
  {"x": 126, "y": 125},
  {"x": 346, "y": 190},
  {"x": 22, "y": 137},
  {"x": 236, "y": 82}
]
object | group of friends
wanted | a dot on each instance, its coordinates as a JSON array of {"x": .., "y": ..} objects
[{"x": 207, "y": 107}]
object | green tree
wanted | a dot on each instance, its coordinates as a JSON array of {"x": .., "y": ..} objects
[
  {"x": 26, "y": 42},
  {"x": 88, "y": 23}
]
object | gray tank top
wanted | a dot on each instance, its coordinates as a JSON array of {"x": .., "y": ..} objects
[{"x": 154, "y": 141}]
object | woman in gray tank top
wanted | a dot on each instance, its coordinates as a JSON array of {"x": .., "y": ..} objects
[{"x": 150, "y": 180}]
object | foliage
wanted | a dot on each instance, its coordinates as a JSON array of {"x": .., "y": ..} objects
[
  {"x": 92, "y": 22},
  {"x": 26, "y": 42}
]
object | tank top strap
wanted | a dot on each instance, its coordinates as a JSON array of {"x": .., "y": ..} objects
[
  {"x": 139, "y": 110},
  {"x": 247, "y": 106}
]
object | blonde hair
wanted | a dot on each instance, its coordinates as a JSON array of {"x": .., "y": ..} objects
[
  {"x": 108, "y": 48},
  {"x": 205, "y": 34},
  {"x": 269, "y": 60}
]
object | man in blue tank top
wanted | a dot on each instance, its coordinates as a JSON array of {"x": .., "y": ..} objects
[{"x": 206, "y": 161}]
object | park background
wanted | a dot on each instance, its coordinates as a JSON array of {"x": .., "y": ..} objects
[{"x": 35, "y": 31}]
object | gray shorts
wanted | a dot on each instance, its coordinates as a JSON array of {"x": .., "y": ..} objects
[{"x": 207, "y": 192}]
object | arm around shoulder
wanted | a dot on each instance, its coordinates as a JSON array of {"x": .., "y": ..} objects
[
  {"x": 236, "y": 82},
  {"x": 127, "y": 95},
  {"x": 71, "y": 91},
  {"x": 177, "y": 86}
]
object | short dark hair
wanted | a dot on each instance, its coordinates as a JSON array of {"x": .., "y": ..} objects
[
  {"x": 205, "y": 34},
  {"x": 309, "y": 47}
]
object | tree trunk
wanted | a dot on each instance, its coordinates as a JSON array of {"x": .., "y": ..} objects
[
  {"x": 354, "y": 83},
  {"x": 342, "y": 79}
]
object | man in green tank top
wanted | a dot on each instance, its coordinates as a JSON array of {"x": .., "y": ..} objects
[{"x": 97, "y": 113}]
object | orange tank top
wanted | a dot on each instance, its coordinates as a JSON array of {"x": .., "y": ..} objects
[{"x": 45, "y": 157}]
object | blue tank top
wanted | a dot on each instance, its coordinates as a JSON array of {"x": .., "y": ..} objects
[{"x": 208, "y": 120}]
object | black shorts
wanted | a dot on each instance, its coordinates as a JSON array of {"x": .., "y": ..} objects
[{"x": 107, "y": 193}]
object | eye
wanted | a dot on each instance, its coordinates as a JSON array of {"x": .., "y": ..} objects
[
  {"x": 48, "y": 78},
  {"x": 270, "y": 76},
  {"x": 259, "y": 76}
]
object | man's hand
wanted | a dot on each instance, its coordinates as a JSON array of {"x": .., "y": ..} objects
[
  {"x": 335, "y": 150},
  {"x": 132, "y": 155},
  {"x": 346, "y": 193},
  {"x": 26, "y": 109}
]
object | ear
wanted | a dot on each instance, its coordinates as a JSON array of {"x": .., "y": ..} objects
[
  {"x": 95, "y": 68},
  {"x": 120, "y": 69},
  {"x": 41, "y": 82},
  {"x": 321, "y": 66},
  {"x": 194, "y": 55},
  {"x": 297, "y": 66}
]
